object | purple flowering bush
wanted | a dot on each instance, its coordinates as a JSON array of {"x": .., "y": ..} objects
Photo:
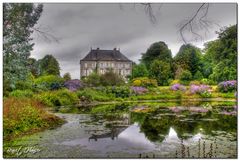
[
  {"x": 227, "y": 86},
  {"x": 176, "y": 87},
  {"x": 203, "y": 90},
  {"x": 73, "y": 85},
  {"x": 139, "y": 90}
]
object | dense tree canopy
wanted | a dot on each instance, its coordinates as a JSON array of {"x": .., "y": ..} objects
[
  {"x": 188, "y": 58},
  {"x": 158, "y": 50},
  {"x": 18, "y": 22},
  {"x": 67, "y": 76},
  {"x": 49, "y": 66},
  {"x": 139, "y": 70},
  {"x": 221, "y": 55},
  {"x": 161, "y": 71}
]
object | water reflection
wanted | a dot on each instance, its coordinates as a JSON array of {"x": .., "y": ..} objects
[{"x": 159, "y": 131}]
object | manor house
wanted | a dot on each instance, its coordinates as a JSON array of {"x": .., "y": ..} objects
[{"x": 103, "y": 60}]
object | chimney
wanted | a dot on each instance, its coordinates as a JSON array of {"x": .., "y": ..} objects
[
  {"x": 97, "y": 48},
  {"x": 115, "y": 49}
]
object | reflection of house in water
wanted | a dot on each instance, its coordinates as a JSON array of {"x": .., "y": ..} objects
[{"x": 116, "y": 128}]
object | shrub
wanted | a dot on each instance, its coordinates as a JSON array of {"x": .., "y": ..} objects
[
  {"x": 136, "y": 83},
  {"x": 21, "y": 93},
  {"x": 121, "y": 91},
  {"x": 207, "y": 81},
  {"x": 58, "y": 98},
  {"x": 198, "y": 75},
  {"x": 73, "y": 85},
  {"x": 111, "y": 79},
  {"x": 227, "y": 86},
  {"x": 195, "y": 82},
  {"x": 176, "y": 81},
  {"x": 92, "y": 80},
  {"x": 144, "y": 82},
  {"x": 139, "y": 90},
  {"x": 23, "y": 115},
  {"x": 185, "y": 76},
  {"x": 177, "y": 87},
  {"x": 48, "y": 82},
  {"x": 88, "y": 95},
  {"x": 202, "y": 90}
]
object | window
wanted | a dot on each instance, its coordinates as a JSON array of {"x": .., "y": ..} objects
[{"x": 85, "y": 65}]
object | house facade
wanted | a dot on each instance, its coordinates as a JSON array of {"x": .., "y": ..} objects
[{"x": 102, "y": 61}]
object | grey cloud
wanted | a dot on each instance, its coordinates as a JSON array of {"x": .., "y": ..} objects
[{"x": 81, "y": 26}]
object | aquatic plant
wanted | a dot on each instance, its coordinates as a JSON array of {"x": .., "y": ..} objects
[
  {"x": 200, "y": 110},
  {"x": 227, "y": 86},
  {"x": 229, "y": 113},
  {"x": 176, "y": 87}
]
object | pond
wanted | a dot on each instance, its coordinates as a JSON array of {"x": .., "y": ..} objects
[{"x": 146, "y": 130}]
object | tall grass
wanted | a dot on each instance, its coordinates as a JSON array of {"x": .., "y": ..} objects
[{"x": 25, "y": 115}]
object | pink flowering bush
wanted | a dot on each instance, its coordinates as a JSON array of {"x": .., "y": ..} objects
[
  {"x": 202, "y": 90},
  {"x": 176, "y": 87},
  {"x": 227, "y": 86},
  {"x": 73, "y": 85},
  {"x": 139, "y": 90}
]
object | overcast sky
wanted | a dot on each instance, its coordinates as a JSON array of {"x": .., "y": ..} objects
[{"x": 82, "y": 26}]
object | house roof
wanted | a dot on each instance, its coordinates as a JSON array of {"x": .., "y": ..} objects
[{"x": 105, "y": 55}]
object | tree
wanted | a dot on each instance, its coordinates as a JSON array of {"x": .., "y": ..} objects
[
  {"x": 33, "y": 66},
  {"x": 188, "y": 58},
  {"x": 18, "y": 22},
  {"x": 139, "y": 70},
  {"x": 92, "y": 80},
  {"x": 221, "y": 55},
  {"x": 186, "y": 76},
  {"x": 111, "y": 79},
  {"x": 49, "y": 66},
  {"x": 158, "y": 50},
  {"x": 161, "y": 71},
  {"x": 67, "y": 76},
  {"x": 198, "y": 75}
]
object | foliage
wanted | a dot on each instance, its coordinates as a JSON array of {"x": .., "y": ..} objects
[
  {"x": 48, "y": 82},
  {"x": 67, "y": 76},
  {"x": 157, "y": 51},
  {"x": 139, "y": 70},
  {"x": 202, "y": 90},
  {"x": 188, "y": 58},
  {"x": 92, "y": 80},
  {"x": 185, "y": 76},
  {"x": 227, "y": 86},
  {"x": 139, "y": 90},
  {"x": 73, "y": 85},
  {"x": 33, "y": 66},
  {"x": 221, "y": 55},
  {"x": 198, "y": 75},
  {"x": 49, "y": 66},
  {"x": 88, "y": 95},
  {"x": 111, "y": 79},
  {"x": 161, "y": 71},
  {"x": 195, "y": 82},
  {"x": 177, "y": 87},
  {"x": 175, "y": 81},
  {"x": 121, "y": 91},
  {"x": 21, "y": 93},
  {"x": 18, "y": 22},
  {"x": 144, "y": 82},
  {"x": 207, "y": 81},
  {"x": 25, "y": 115},
  {"x": 58, "y": 98}
]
